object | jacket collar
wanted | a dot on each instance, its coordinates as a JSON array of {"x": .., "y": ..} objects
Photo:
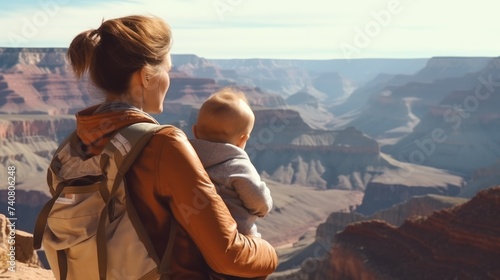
[{"x": 95, "y": 125}]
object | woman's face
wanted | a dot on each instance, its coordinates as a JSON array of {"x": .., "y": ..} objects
[{"x": 157, "y": 90}]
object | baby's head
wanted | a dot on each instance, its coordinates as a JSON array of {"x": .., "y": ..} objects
[{"x": 225, "y": 117}]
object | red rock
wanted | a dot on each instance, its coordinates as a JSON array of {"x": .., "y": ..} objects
[
  {"x": 23, "y": 242},
  {"x": 458, "y": 243}
]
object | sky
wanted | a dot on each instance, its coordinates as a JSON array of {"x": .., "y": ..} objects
[{"x": 286, "y": 29}]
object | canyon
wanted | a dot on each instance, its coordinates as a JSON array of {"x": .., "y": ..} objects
[
  {"x": 352, "y": 147},
  {"x": 304, "y": 255},
  {"x": 461, "y": 242}
]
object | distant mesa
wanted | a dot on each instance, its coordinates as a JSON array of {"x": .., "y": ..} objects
[
  {"x": 333, "y": 85},
  {"x": 410, "y": 181},
  {"x": 447, "y": 67},
  {"x": 359, "y": 71},
  {"x": 303, "y": 98}
]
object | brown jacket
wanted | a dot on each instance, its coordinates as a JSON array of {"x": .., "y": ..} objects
[{"x": 169, "y": 175}]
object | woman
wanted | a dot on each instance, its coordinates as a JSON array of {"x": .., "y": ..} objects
[{"x": 128, "y": 59}]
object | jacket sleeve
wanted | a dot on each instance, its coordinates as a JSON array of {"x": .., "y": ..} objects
[
  {"x": 202, "y": 213},
  {"x": 252, "y": 191}
]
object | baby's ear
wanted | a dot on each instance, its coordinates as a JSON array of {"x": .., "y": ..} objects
[{"x": 242, "y": 142}]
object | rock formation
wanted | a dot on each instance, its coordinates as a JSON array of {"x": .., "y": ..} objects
[
  {"x": 18, "y": 260},
  {"x": 390, "y": 107},
  {"x": 285, "y": 144},
  {"x": 33, "y": 60},
  {"x": 458, "y": 243},
  {"x": 297, "y": 209},
  {"x": 18, "y": 127},
  {"x": 481, "y": 179},
  {"x": 23, "y": 242},
  {"x": 303, "y": 98},
  {"x": 445, "y": 67},
  {"x": 37, "y": 81},
  {"x": 286, "y": 149},
  {"x": 28, "y": 143},
  {"x": 382, "y": 193},
  {"x": 395, "y": 215},
  {"x": 459, "y": 132},
  {"x": 338, "y": 221},
  {"x": 275, "y": 76},
  {"x": 359, "y": 71},
  {"x": 333, "y": 85}
]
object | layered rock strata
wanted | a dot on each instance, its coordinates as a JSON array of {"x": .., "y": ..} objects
[
  {"x": 458, "y": 243},
  {"x": 338, "y": 221}
]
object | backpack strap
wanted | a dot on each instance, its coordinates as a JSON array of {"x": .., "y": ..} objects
[
  {"x": 62, "y": 262},
  {"x": 63, "y": 187},
  {"x": 122, "y": 149}
]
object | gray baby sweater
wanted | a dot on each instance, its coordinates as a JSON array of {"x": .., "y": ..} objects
[{"x": 237, "y": 182}]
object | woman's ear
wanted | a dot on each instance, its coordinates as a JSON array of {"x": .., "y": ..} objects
[
  {"x": 195, "y": 133},
  {"x": 144, "y": 77}
]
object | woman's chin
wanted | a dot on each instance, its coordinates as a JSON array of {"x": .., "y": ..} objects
[{"x": 155, "y": 111}]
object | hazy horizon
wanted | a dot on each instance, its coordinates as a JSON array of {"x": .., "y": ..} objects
[{"x": 239, "y": 29}]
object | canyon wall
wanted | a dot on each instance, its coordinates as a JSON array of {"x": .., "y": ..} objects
[
  {"x": 462, "y": 242},
  {"x": 310, "y": 256},
  {"x": 27, "y": 144},
  {"x": 459, "y": 131}
]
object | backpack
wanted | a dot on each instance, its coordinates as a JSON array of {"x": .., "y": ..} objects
[{"x": 90, "y": 229}]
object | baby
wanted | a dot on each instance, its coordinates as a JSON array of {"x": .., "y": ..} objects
[{"x": 223, "y": 127}]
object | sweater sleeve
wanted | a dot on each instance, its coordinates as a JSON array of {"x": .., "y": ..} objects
[
  {"x": 202, "y": 213},
  {"x": 251, "y": 190}
]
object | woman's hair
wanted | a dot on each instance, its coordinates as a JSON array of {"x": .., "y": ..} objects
[{"x": 118, "y": 48}]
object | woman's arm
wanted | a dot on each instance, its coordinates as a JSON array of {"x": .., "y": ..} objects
[{"x": 202, "y": 213}]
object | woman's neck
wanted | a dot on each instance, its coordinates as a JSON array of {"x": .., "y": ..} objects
[{"x": 123, "y": 98}]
